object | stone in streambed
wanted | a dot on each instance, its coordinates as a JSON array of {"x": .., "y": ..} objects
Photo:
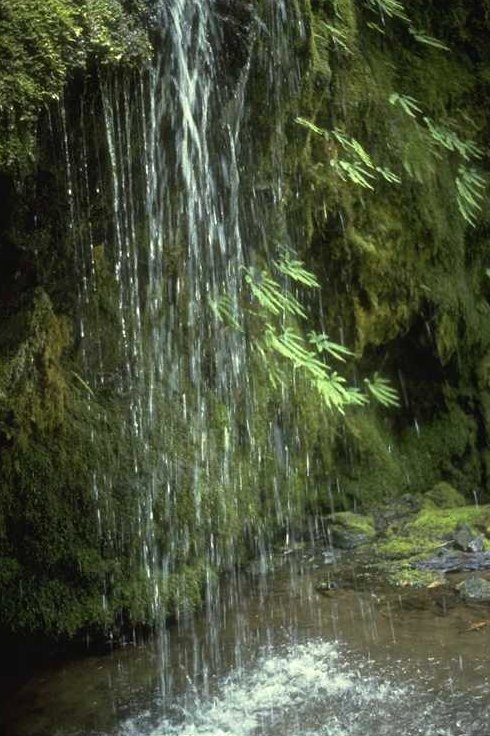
[
  {"x": 444, "y": 496},
  {"x": 397, "y": 512},
  {"x": 475, "y": 590},
  {"x": 466, "y": 540},
  {"x": 347, "y": 530}
]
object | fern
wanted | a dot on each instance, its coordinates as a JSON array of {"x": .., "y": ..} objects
[
  {"x": 270, "y": 295},
  {"x": 391, "y": 8},
  {"x": 296, "y": 271},
  {"x": 408, "y": 104},
  {"x": 354, "y": 172},
  {"x": 450, "y": 140},
  {"x": 225, "y": 311},
  {"x": 311, "y": 126},
  {"x": 358, "y": 167},
  {"x": 376, "y": 27},
  {"x": 323, "y": 344},
  {"x": 427, "y": 40},
  {"x": 381, "y": 390},
  {"x": 277, "y": 311},
  {"x": 330, "y": 385},
  {"x": 388, "y": 175},
  {"x": 353, "y": 145},
  {"x": 336, "y": 35},
  {"x": 470, "y": 186}
]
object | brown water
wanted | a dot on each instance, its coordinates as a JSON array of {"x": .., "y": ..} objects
[{"x": 271, "y": 656}]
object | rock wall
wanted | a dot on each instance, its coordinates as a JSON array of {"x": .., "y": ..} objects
[{"x": 375, "y": 198}]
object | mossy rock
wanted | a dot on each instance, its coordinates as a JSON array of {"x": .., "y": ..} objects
[
  {"x": 397, "y": 547},
  {"x": 441, "y": 523},
  {"x": 431, "y": 529},
  {"x": 347, "y": 530},
  {"x": 444, "y": 496},
  {"x": 406, "y": 576}
]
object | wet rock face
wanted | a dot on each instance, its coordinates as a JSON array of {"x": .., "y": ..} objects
[{"x": 475, "y": 589}]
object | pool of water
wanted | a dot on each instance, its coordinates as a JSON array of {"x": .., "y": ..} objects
[{"x": 270, "y": 655}]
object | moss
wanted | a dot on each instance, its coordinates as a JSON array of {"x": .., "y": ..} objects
[
  {"x": 405, "y": 576},
  {"x": 443, "y": 495},
  {"x": 397, "y": 547},
  {"x": 41, "y": 44},
  {"x": 421, "y": 537},
  {"x": 440, "y": 523},
  {"x": 32, "y": 384},
  {"x": 354, "y": 522},
  {"x": 400, "y": 282}
]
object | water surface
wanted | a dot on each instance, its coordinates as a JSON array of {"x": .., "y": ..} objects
[{"x": 271, "y": 656}]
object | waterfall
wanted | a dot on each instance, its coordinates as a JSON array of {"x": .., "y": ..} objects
[{"x": 175, "y": 182}]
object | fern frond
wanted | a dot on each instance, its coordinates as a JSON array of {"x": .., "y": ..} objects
[
  {"x": 381, "y": 390},
  {"x": 428, "y": 40},
  {"x": 270, "y": 295},
  {"x": 391, "y": 8},
  {"x": 376, "y": 27},
  {"x": 323, "y": 344},
  {"x": 224, "y": 311},
  {"x": 470, "y": 186},
  {"x": 354, "y": 172},
  {"x": 311, "y": 126},
  {"x": 388, "y": 175},
  {"x": 450, "y": 140},
  {"x": 336, "y": 35},
  {"x": 408, "y": 104},
  {"x": 353, "y": 145},
  {"x": 295, "y": 270}
]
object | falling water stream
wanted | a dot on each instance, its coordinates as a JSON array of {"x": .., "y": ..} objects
[{"x": 174, "y": 156}]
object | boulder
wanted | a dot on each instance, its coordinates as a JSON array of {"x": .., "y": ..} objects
[
  {"x": 347, "y": 530},
  {"x": 467, "y": 540},
  {"x": 474, "y": 590},
  {"x": 397, "y": 511},
  {"x": 444, "y": 496}
]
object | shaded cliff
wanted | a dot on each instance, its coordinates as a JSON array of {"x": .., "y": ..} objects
[{"x": 146, "y": 443}]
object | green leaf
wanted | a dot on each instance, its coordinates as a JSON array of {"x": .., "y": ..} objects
[
  {"x": 225, "y": 311},
  {"x": 338, "y": 36},
  {"x": 450, "y": 140},
  {"x": 381, "y": 390},
  {"x": 408, "y": 104},
  {"x": 296, "y": 271},
  {"x": 323, "y": 344},
  {"x": 470, "y": 186},
  {"x": 311, "y": 126},
  {"x": 428, "y": 40},
  {"x": 391, "y": 8}
]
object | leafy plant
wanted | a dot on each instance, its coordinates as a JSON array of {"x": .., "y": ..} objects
[
  {"x": 295, "y": 270},
  {"x": 277, "y": 314},
  {"x": 447, "y": 138},
  {"x": 469, "y": 183},
  {"x": 270, "y": 295},
  {"x": 358, "y": 167},
  {"x": 396, "y": 9},
  {"x": 424, "y": 38},
  {"x": 469, "y": 186},
  {"x": 391, "y": 8},
  {"x": 225, "y": 311},
  {"x": 338, "y": 36},
  {"x": 408, "y": 104},
  {"x": 381, "y": 390}
]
